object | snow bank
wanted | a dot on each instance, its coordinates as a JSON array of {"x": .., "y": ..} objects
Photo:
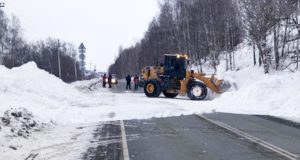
[
  {"x": 32, "y": 99},
  {"x": 43, "y": 94},
  {"x": 274, "y": 94}
]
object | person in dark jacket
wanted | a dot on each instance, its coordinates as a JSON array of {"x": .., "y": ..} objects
[
  {"x": 109, "y": 80},
  {"x": 104, "y": 81},
  {"x": 128, "y": 84}
]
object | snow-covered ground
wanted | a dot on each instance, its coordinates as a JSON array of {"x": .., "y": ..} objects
[
  {"x": 65, "y": 115},
  {"x": 274, "y": 94}
]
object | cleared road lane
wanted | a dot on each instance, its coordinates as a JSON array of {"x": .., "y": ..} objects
[
  {"x": 281, "y": 133},
  {"x": 195, "y": 138},
  {"x": 189, "y": 138}
]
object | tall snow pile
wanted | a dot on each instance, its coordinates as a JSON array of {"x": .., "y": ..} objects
[
  {"x": 38, "y": 110},
  {"x": 47, "y": 97},
  {"x": 275, "y": 94}
]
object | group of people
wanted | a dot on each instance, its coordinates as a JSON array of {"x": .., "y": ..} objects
[
  {"x": 128, "y": 81},
  {"x": 109, "y": 80},
  {"x": 135, "y": 81}
]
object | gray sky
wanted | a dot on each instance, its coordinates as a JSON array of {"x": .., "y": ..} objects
[{"x": 102, "y": 25}]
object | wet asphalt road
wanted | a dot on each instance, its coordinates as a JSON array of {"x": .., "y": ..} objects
[
  {"x": 192, "y": 138},
  {"x": 107, "y": 143},
  {"x": 279, "y": 132},
  {"x": 189, "y": 138}
]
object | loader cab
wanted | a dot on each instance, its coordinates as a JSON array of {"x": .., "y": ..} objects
[{"x": 175, "y": 66}]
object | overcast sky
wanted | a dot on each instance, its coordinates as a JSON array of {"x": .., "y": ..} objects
[{"x": 102, "y": 25}]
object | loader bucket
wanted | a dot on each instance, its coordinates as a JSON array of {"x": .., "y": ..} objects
[{"x": 224, "y": 86}]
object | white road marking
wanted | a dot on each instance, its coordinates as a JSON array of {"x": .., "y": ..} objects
[
  {"x": 253, "y": 139},
  {"x": 124, "y": 141}
]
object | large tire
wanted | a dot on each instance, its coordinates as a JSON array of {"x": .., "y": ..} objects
[
  {"x": 170, "y": 95},
  {"x": 152, "y": 89},
  {"x": 196, "y": 90}
]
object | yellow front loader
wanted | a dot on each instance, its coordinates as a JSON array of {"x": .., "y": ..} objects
[{"x": 174, "y": 77}]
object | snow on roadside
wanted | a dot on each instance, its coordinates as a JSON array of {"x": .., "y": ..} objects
[
  {"x": 275, "y": 94},
  {"x": 45, "y": 95},
  {"x": 88, "y": 85},
  {"x": 38, "y": 112},
  {"x": 19, "y": 122}
]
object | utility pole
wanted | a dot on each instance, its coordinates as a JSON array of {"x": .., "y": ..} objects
[
  {"x": 59, "y": 67},
  {"x": 75, "y": 63}
]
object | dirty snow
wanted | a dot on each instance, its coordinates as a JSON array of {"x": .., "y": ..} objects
[{"x": 61, "y": 117}]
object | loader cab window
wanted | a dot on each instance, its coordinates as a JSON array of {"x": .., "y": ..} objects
[{"x": 175, "y": 67}]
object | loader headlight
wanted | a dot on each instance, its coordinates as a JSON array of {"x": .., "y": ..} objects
[
  {"x": 182, "y": 56},
  {"x": 113, "y": 81}
]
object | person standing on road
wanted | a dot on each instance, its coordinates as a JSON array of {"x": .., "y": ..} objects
[
  {"x": 136, "y": 81},
  {"x": 104, "y": 81},
  {"x": 128, "y": 80},
  {"x": 109, "y": 80}
]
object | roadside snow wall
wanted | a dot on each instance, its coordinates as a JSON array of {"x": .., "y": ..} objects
[
  {"x": 277, "y": 93},
  {"x": 41, "y": 93}
]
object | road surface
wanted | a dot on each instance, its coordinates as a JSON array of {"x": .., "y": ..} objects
[{"x": 194, "y": 138}]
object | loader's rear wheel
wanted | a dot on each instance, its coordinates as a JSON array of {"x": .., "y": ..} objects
[
  {"x": 197, "y": 90},
  {"x": 170, "y": 95},
  {"x": 152, "y": 89}
]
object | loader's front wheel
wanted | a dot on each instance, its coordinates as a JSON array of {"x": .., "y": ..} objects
[
  {"x": 170, "y": 95},
  {"x": 152, "y": 89},
  {"x": 197, "y": 90}
]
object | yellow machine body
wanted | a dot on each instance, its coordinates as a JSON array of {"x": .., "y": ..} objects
[
  {"x": 210, "y": 81},
  {"x": 174, "y": 77}
]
